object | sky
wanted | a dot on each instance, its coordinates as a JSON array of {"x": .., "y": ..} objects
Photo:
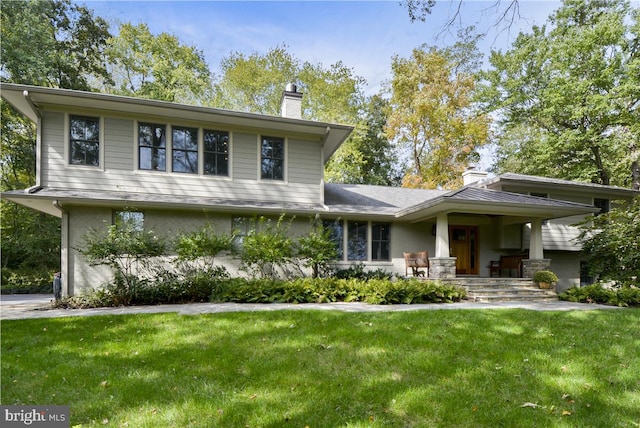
[{"x": 364, "y": 35}]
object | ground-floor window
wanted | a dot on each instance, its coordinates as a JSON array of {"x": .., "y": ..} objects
[
  {"x": 129, "y": 220},
  {"x": 363, "y": 240}
]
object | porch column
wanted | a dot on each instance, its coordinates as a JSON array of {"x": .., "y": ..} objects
[
  {"x": 442, "y": 235},
  {"x": 442, "y": 266},
  {"x": 535, "y": 244},
  {"x": 536, "y": 260}
]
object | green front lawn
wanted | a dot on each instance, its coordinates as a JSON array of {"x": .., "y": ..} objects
[{"x": 329, "y": 369}]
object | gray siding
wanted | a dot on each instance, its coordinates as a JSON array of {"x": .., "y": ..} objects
[
  {"x": 118, "y": 170},
  {"x": 119, "y": 147}
]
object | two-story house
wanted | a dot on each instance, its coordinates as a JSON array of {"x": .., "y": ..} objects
[{"x": 174, "y": 168}]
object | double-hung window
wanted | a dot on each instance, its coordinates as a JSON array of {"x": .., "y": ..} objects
[
  {"x": 380, "y": 241},
  {"x": 152, "y": 146},
  {"x": 360, "y": 236},
  {"x": 216, "y": 153},
  {"x": 357, "y": 240},
  {"x": 185, "y": 149},
  {"x": 272, "y": 158},
  {"x": 336, "y": 234},
  {"x": 84, "y": 140}
]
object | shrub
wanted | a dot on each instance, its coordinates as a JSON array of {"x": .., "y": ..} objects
[
  {"x": 356, "y": 271},
  {"x": 267, "y": 247},
  {"x": 26, "y": 281},
  {"x": 623, "y": 295},
  {"x": 545, "y": 276},
  {"x": 317, "y": 249},
  {"x": 321, "y": 290}
]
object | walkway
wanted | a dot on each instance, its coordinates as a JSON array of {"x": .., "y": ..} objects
[{"x": 39, "y": 306}]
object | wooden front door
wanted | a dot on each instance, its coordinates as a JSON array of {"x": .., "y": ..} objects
[{"x": 463, "y": 242}]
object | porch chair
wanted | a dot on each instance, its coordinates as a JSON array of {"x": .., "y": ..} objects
[{"x": 416, "y": 261}]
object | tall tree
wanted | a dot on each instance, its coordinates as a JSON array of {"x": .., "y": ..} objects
[
  {"x": 45, "y": 43},
  {"x": 52, "y": 43},
  {"x": 568, "y": 94},
  {"x": 433, "y": 114},
  {"x": 368, "y": 157},
  {"x": 157, "y": 67},
  {"x": 254, "y": 83}
]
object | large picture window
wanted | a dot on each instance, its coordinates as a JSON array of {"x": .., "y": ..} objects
[
  {"x": 152, "y": 146},
  {"x": 216, "y": 153},
  {"x": 380, "y": 241},
  {"x": 185, "y": 150},
  {"x": 84, "y": 140},
  {"x": 272, "y": 158}
]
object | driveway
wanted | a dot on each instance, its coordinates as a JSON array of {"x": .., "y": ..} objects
[{"x": 21, "y": 306}]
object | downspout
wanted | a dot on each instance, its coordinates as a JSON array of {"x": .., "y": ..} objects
[
  {"x": 64, "y": 249},
  {"x": 324, "y": 141},
  {"x": 38, "y": 140}
]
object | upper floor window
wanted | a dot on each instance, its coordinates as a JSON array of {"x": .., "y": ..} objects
[
  {"x": 216, "y": 153},
  {"x": 185, "y": 149},
  {"x": 272, "y": 158},
  {"x": 603, "y": 204},
  {"x": 84, "y": 140},
  {"x": 152, "y": 146}
]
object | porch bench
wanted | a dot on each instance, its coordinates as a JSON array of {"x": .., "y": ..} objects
[
  {"x": 416, "y": 261},
  {"x": 512, "y": 264}
]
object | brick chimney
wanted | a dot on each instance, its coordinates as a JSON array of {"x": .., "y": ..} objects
[{"x": 291, "y": 102}]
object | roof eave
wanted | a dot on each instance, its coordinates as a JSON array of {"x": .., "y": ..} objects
[
  {"x": 25, "y": 98},
  {"x": 433, "y": 208}
]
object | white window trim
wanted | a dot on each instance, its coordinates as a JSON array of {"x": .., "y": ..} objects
[{"x": 67, "y": 142}]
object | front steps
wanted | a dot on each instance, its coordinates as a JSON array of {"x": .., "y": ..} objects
[{"x": 502, "y": 289}]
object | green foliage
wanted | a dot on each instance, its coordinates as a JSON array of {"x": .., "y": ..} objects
[
  {"x": 567, "y": 95},
  {"x": 156, "y": 66},
  {"x": 322, "y": 290},
  {"x": 367, "y": 157},
  {"x": 611, "y": 243},
  {"x": 316, "y": 249},
  {"x": 123, "y": 248},
  {"x": 52, "y": 43},
  {"x": 433, "y": 113},
  {"x": 545, "y": 276},
  {"x": 622, "y": 295},
  {"x": 202, "y": 244},
  {"x": 357, "y": 271},
  {"x": 267, "y": 250},
  {"x": 26, "y": 281}
]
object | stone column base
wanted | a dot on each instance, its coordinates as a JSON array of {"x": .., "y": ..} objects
[
  {"x": 531, "y": 266},
  {"x": 442, "y": 267}
]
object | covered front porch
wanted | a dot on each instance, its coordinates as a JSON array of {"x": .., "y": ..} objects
[{"x": 476, "y": 230}]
